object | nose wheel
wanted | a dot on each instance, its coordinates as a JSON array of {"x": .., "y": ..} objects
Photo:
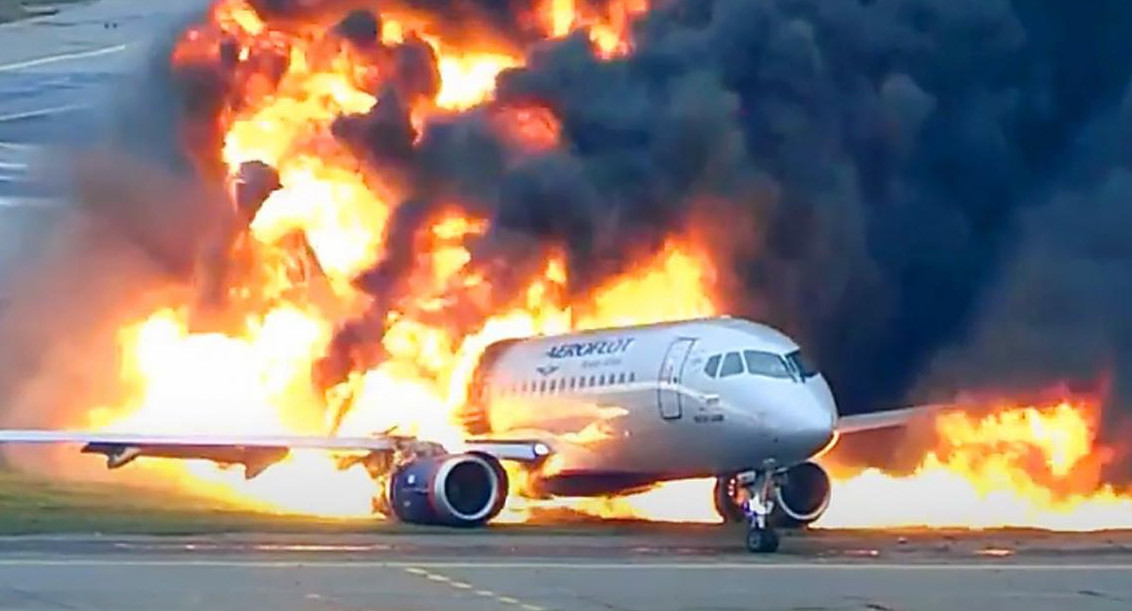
[{"x": 762, "y": 538}]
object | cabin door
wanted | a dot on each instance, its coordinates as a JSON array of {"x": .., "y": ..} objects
[{"x": 671, "y": 373}]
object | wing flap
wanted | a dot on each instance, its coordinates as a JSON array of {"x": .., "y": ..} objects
[
  {"x": 256, "y": 453},
  {"x": 139, "y": 439}
]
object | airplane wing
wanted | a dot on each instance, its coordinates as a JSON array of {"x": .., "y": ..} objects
[
  {"x": 255, "y": 452},
  {"x": 888, "y": 419}
]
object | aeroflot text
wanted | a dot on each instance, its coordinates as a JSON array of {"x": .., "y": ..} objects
[{"x": 603, "y": 347}]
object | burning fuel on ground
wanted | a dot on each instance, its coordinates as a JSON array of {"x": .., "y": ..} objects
[{"x": 315, "y": 216}]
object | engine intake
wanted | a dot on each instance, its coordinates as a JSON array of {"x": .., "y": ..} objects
[
  {"x": 803, "y": 497},
  {"x": 463, "y": 490}
]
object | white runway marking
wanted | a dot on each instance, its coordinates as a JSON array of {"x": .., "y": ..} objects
[
  {"x": 582, "y": 566},
  {"x": 62, "y": 57},
  {"x": 40, "y": 112}
]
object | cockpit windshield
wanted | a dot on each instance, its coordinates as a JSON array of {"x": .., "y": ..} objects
[
  {"x": 766, "y": 364},
  {"x": 800, "y": 365},
  {"x": 732, "y": 365},
  {"x": 753, "y": 362}
]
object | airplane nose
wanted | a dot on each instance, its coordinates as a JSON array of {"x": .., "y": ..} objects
[{"x": 814, "y": 426}]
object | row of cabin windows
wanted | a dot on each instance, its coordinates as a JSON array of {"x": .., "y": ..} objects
[{"x": 568, "y": 384}]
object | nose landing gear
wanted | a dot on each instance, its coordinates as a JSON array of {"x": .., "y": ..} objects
[{"x": 762, "y": 538}]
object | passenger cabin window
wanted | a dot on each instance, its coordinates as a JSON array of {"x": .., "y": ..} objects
[
  {"x": 732, "y": 365},
  {"x": 766, "y": 364},
  {"x": 712, "y": 366}
]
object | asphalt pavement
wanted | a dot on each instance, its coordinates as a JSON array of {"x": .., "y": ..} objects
[
  {"x": 656, "y": 571},
  {"x": 57, "y": 76}
]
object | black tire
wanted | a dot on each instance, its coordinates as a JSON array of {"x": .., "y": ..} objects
[{"x": 762, "y": 540}]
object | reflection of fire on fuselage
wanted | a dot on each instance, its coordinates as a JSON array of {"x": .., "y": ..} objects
[
  {"x": 593, "y": 413},
  {"x": 632, "y": 406}
]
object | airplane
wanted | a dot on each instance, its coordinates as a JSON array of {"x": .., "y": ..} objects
[{"x": 719, "y": 397}]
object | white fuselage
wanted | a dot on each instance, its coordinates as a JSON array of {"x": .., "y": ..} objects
[{"x": 631, "y": 405}]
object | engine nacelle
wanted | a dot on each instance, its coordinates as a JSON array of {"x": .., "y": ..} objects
[
  {"x": 803, "y": 497},
  {"x": 462, "y": 490}
]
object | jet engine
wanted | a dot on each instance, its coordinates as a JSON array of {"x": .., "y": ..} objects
[
  {"x": 802, "y": 498},
  {"x": 799, "y": 500},
  {"x": 463, "y": 490}
]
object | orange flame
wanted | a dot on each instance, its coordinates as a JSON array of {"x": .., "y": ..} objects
[{"x": 1019, "y": 466}]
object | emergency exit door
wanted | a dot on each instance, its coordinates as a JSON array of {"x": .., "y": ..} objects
[{"x": 671, "y": 372}]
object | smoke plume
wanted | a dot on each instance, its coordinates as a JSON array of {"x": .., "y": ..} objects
[
  {"x": 931, "y": 195},
  {"x": 933, "y": 188}
]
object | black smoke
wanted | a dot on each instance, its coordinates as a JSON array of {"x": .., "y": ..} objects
[{"x": 931, "y": 195}]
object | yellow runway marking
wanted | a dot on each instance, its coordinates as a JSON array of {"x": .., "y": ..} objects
[{"x": 459, "y": 585}]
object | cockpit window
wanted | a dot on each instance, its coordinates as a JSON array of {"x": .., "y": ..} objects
[
  {"x": 712, "y": 366},
  {"x": 766, "y": 364},
  {"x": 732, "y": 365},
  {"x": 803, "y": 368}
]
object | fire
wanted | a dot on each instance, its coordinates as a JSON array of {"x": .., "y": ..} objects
[
  {"x": 287, "y": 89},
  {"x": 1018, "y": 466},
  {"x": 609, "y": 32}
]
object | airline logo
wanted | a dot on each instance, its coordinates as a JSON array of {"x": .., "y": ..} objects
[{"x": 603, "y": 347}]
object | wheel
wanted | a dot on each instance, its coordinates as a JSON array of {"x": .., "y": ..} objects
[{"x": 762, "y": 540}]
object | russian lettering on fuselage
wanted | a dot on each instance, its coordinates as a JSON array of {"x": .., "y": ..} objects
[{"x": 580, "y": 349}]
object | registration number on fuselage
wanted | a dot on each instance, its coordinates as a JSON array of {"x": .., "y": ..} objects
[{"x": 707, "y": 418}]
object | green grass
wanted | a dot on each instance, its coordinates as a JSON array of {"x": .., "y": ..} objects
[
  {"x": 35, "y": 505},
  {"x": 30, "y": 505}
]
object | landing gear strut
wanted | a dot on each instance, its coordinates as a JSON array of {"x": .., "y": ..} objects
[{"x": 762, "y": 538}]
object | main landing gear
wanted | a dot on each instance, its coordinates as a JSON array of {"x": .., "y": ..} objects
[{"x": 762, "y": 538}]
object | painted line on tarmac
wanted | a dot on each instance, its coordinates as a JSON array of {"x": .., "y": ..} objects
[
  {"x": 465, "y": 587},
  {"x": 440, "y": 565},
  {"x": 44, "y": 203},
  {"x": 41, "y": 112},
  {"x": 62, "y": 57}
]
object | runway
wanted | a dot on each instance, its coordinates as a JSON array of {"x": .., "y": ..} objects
[
  {"x": 57, "y": 74},
  {"x": 657, "y": 570}
]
